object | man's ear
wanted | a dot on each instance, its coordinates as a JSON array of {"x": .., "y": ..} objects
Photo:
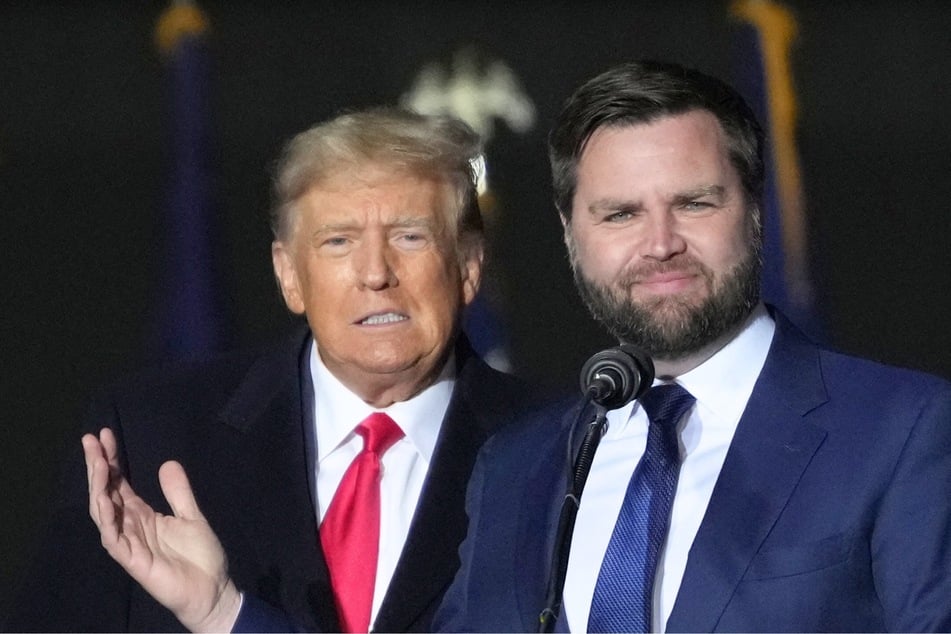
[
  {"x": 471, "y": 271},
  {"x": 287, "y": 278}
]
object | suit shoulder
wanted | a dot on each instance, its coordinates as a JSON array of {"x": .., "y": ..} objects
[
  {"x": 198, "y": 383},
  {"x": 204, "y": 369},
  {"x": 803, "y": 371},
  {"x": 538, "y": 425},
  {"x": 881, "y": 401},
  {"x": 848, "y": 373}
]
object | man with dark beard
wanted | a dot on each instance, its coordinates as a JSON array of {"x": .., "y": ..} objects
[{"x": 763, "y": 483}]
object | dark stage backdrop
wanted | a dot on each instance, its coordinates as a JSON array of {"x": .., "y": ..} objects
[{"x": 85, "y": 158}]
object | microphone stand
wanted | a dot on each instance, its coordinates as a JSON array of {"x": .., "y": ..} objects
[{"x": 569, "y": 512}]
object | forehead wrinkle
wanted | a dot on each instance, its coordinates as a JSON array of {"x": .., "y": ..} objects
[{"x": 403, "y": 221}]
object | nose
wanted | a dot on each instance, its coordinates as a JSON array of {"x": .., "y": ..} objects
[
  {"x": 373, "y": 264},
  {"x": 663, "y": 240}
]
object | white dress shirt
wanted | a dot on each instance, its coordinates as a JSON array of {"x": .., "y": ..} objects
[
  {"x": 722, "y": 386},
  {"x": 337, "y": 412}
]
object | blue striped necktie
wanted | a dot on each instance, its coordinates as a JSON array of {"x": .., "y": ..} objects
[{"x": 624, "y": 591}]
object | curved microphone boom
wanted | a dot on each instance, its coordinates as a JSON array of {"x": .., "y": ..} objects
[{"x": 617, "y": 376}]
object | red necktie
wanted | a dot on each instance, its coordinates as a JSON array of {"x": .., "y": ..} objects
[{"x": 350, "y": 532}]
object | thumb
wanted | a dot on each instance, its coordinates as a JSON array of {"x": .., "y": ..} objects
[{"x": 178, "y": 491}]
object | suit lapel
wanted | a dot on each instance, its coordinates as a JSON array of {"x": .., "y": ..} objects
[
  {"x": 770, "y": 450},
  {"x": 429, "y": 559},
  {"x": 269, "y": 410}
]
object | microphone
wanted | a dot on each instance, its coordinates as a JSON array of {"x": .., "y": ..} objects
[
  {"x": 617, "y": 376},
  {"x": 611, "y": 378}
]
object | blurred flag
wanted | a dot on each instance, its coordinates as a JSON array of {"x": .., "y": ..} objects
[
  {"x": 190, "y": 316},
  {"x": 763, "y": 75}
]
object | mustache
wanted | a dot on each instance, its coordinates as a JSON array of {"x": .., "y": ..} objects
[{"x": 636, "y": 274}]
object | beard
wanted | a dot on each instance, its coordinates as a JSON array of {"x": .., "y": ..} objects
[{"x": 673, "y": 327}]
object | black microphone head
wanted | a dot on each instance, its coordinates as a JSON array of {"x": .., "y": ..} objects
[{"x": 617, "y": 376}]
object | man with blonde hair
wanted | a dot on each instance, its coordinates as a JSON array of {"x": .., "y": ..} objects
[{"x": 329, "y": 470}]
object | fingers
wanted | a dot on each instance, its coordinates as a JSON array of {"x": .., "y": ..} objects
[
  {"x": 110, "y": 447},
  {"x": 97, "y": 473},
  {"x": 178, "y": 491},
  {"x": 109, "y": 492},
  {"x": 92, "y": 449},
  {"x": 107, "y": 521}
]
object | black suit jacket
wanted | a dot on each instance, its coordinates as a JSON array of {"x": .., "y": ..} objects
[{"x": 239, "y": 425}]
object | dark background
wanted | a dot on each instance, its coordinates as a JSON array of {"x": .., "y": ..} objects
[{"x": 84, "y": 160}]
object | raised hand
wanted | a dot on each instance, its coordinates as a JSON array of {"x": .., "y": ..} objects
[{"x": 176, "y": 558}]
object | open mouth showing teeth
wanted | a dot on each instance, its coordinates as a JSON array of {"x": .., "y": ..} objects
[{"x": 385, "y": 318}]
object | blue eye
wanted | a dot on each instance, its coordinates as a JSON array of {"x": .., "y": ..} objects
[
  {"x": 413, "y": 239},
  {"x": 619, "y": 216}
]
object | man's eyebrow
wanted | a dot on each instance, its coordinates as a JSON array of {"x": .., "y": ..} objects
[
  {"x": 328, "y": 227},
  {"x": 699, "y": 192},
  {"x": 612, "y": 204},
  {"x": 412, "y": 221}
]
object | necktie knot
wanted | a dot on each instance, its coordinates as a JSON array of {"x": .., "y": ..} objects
[
  {"x": 666, "y": 404},
  {"x": 379, "y": 432}
]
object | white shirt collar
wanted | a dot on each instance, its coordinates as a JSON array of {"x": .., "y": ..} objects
[
  {"x": 723, "y": 383},
  {"x": 337, "y": 410}
]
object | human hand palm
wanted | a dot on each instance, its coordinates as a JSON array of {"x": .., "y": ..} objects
[{"x": 175, "y": 558}]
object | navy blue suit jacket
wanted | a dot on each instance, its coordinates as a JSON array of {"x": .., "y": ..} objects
[
  {"x": 832, "y": 511},
  {"x": 238, "y": 424}
]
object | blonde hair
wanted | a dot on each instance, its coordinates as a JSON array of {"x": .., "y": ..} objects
[{"x": 431, "y": 146}]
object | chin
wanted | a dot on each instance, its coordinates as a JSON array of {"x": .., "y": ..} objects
[
  {"x": 382, "y": 363},
  {"x": 397, "y": 355}
]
